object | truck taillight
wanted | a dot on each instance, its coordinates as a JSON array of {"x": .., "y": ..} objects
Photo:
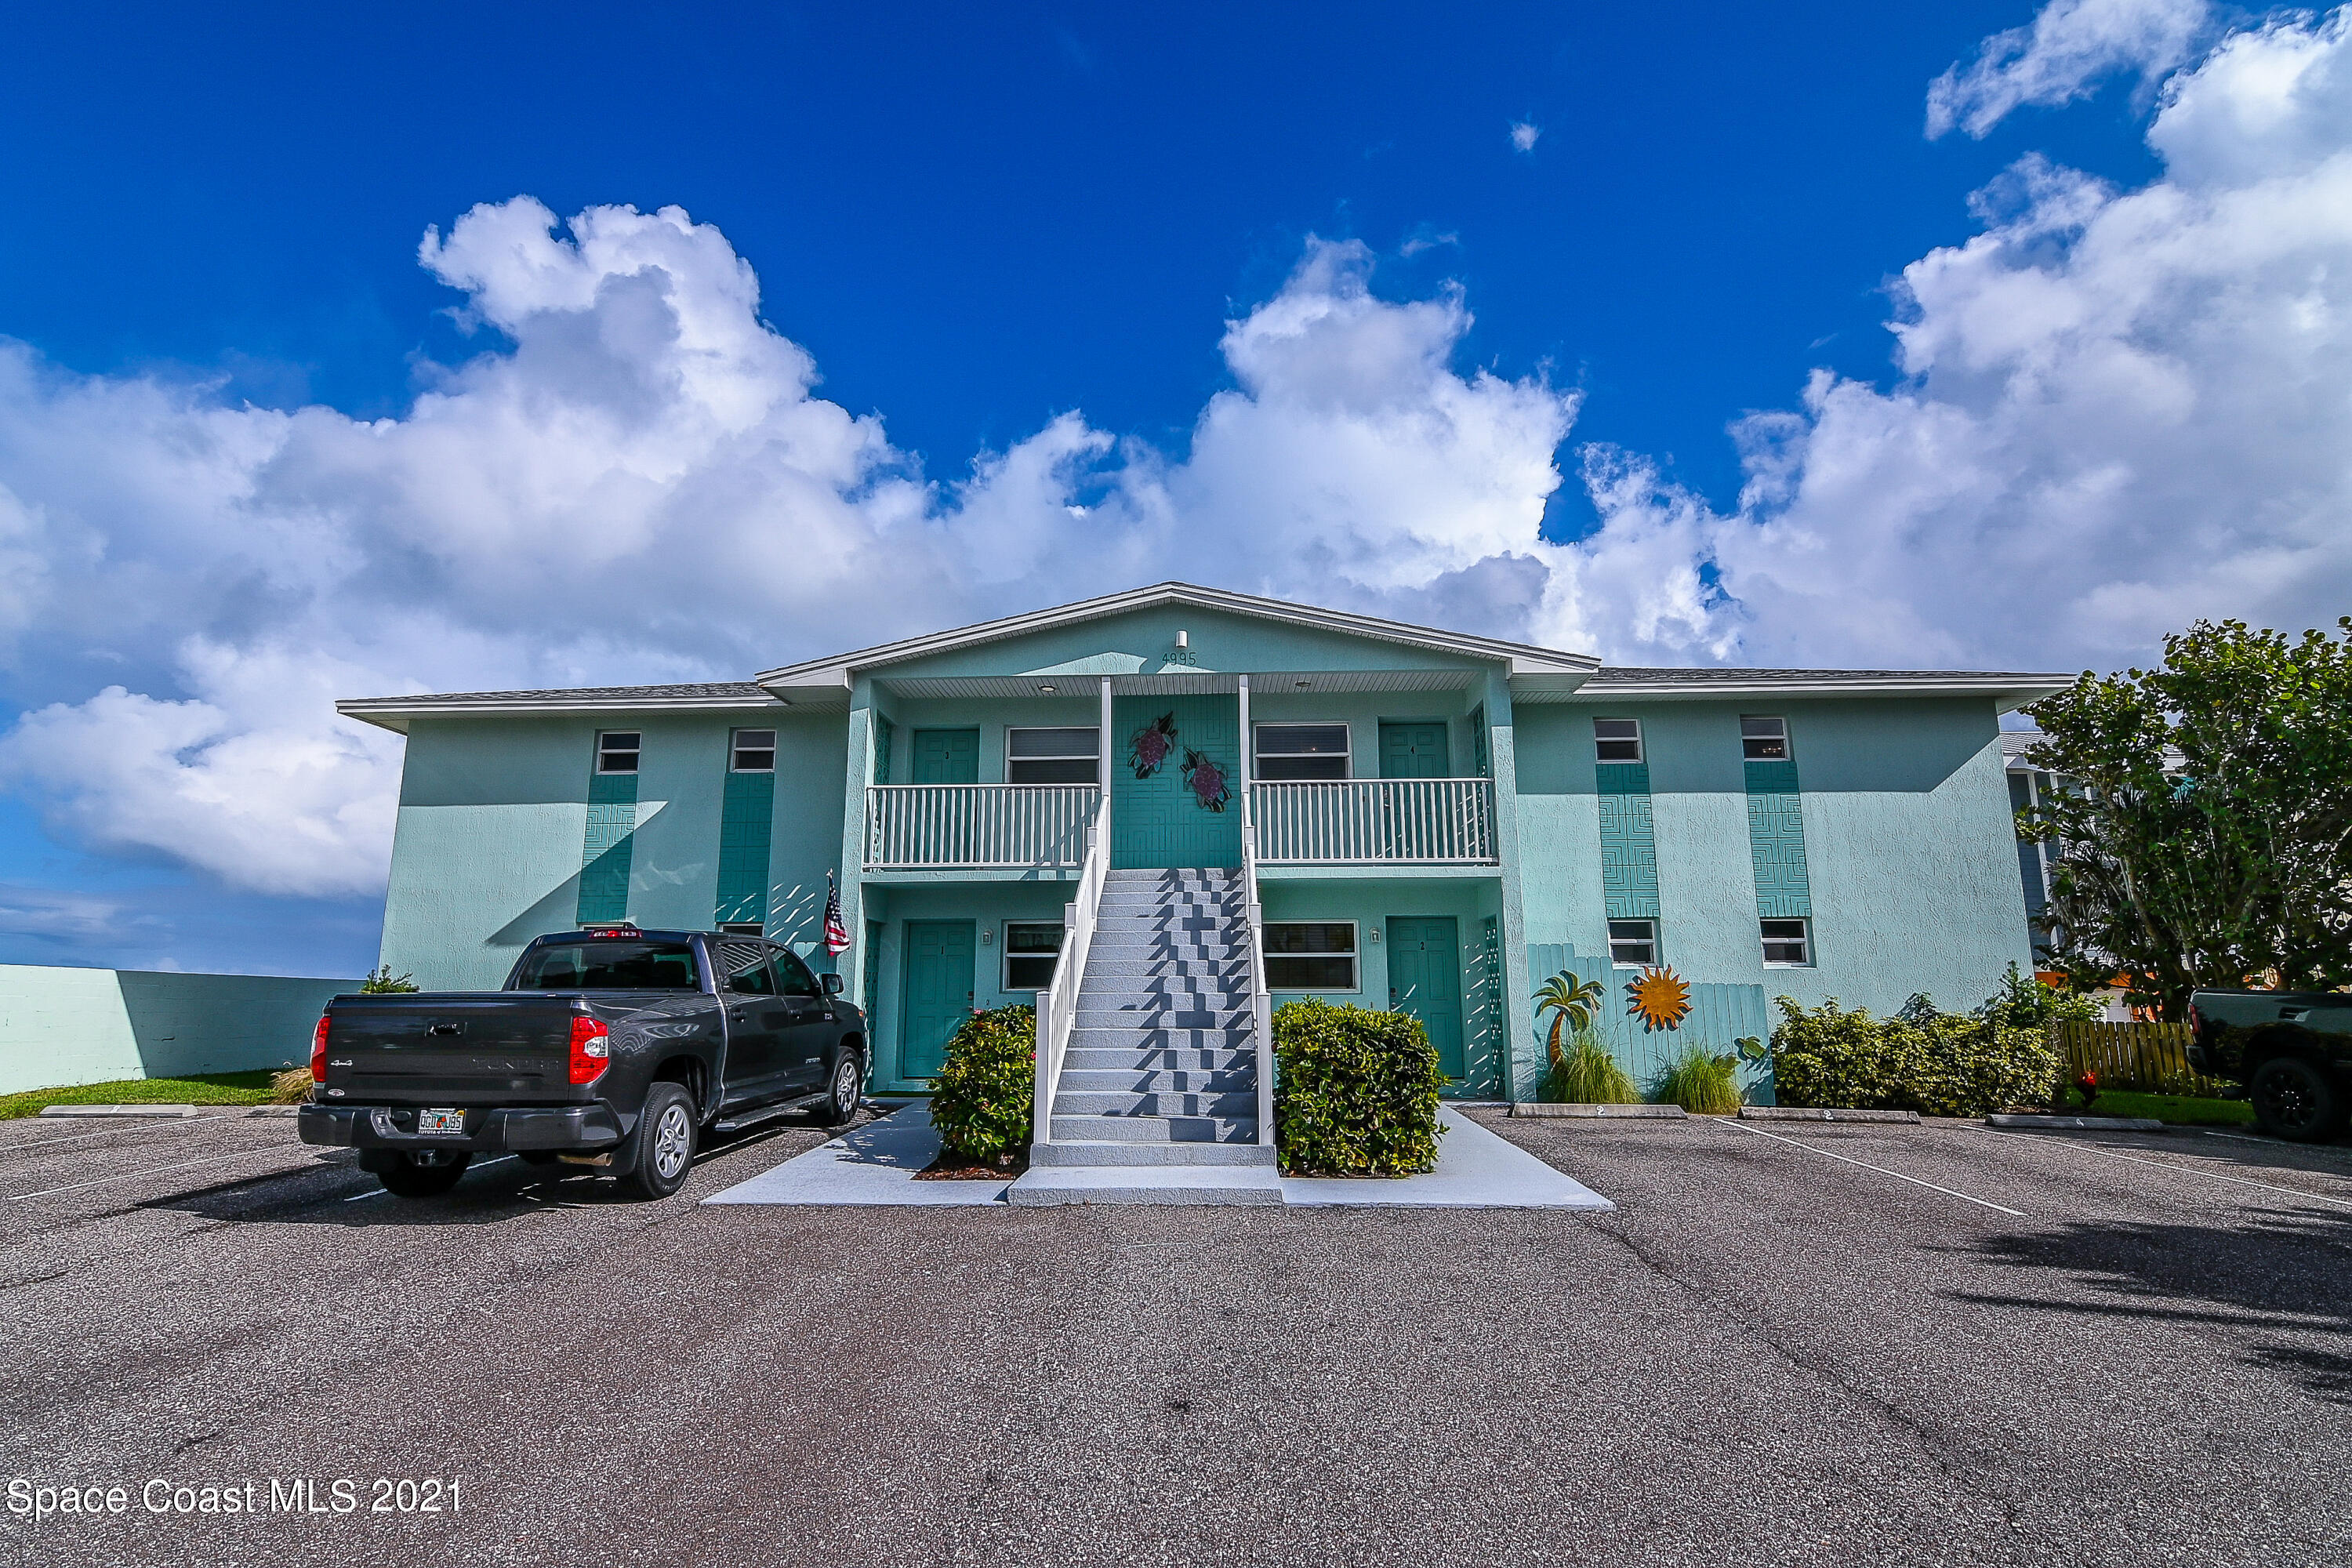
[
  {"x": 2196, "y": 1020},
  {"x": 319, "y": 1051},
  {"x": 591, "y": 1049}
]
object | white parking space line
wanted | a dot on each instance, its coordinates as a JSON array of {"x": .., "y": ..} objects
[
  {"x": 111, "y": 1132},
  {"x": 386, "y": 1191},
  {"x": 155, "y": 1171},
  {"x": 1980, "y": 1203},
  {"x": 2184, "y": 1170}
]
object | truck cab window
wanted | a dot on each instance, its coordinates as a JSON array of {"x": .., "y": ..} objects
[
  {"x": 748, "y": 974},
  {"x": 608, "y": 966},
  {"x": 796, "y": 976}
]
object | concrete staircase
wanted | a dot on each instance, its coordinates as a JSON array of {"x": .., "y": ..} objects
[{"x": 1158, "y": 1097}]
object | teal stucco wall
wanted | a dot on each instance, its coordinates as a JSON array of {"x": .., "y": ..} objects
[
  {"x": 1908, "y": 847},
  {"x": 493, "y": 817},
  {"x": 64, "y": 1026}
]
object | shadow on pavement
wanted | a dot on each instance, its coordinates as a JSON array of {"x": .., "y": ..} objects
[{"x": 2281, "y": 1271}]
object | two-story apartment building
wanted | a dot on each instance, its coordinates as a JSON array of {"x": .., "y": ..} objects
[{"x": 1432, "y": 820}]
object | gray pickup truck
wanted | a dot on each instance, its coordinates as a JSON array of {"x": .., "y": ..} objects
[
  {"x": 610, "y": 1047},
  {"x": 2292, "y": 1049}
]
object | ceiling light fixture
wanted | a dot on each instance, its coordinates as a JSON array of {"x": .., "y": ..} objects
[{"x": 1046, "y": 689}]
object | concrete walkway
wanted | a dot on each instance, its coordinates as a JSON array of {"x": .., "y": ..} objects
[
  {"x": 872, "y": 1164},
  {"x": 875, "y": 1165}
]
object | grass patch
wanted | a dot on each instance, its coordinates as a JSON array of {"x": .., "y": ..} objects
[
  {"x": 207, "y": 1089},
  {"x": 1701, "y": 1082},
  {"x": 2187, "y": 1109},
  {"x": 1586, "y": 1074}
]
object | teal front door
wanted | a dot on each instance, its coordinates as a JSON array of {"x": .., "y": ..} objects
[
  {"x": 1425, "y": 980},
  {"x": 936, "y": 994},
  {"x": 1172, "y": 816},
  {"x": 1415, "y": 752},
  {"x": 947, "y": 756}
]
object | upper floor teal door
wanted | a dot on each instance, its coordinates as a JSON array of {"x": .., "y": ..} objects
[
  {"x": 1425, "y": 980},
  {"x": 1178, "y": 815},
  {"x": 947, "y": 756},
  {"x": 1415, "y": 752}
]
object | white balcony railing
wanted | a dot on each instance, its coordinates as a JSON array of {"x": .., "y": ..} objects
[
  {"x": 971, "y": 826},
  {"x": 1375, "y": 822}
]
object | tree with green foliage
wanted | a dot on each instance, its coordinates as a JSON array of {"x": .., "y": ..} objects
[
  {"x": 2025, "y": 1001},
  {"x": 382, "y": 980},
  {"x": 2202, "y": 833}
]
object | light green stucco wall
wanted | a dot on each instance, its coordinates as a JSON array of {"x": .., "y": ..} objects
[
  {"x": 493, "y": 811},
  {"x": 62, "y": 1025},
  {"x": 1908, "y": 844}
]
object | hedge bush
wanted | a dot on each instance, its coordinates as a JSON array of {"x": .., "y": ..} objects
[
  {"x": 1937, "y": 1064},
  {"x": 1357, "y": 1093},
  {"x": 981, "y": 1102}
]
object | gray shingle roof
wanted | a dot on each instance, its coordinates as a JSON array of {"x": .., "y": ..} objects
[
  {"x": 710, "y": 689},
  {"x": 1615, "y": 675}
]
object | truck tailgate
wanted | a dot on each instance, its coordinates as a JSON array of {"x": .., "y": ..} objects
[{"x": 450, "y": 1049}]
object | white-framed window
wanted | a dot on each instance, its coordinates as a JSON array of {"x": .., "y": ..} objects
[
  {"x": 1763, "y": 738},
  {"x": 1057, "y": 756},
  {"x": 754, "y": 752},
  {"x": 1032, "y": 947},
  {"x": 1289, "y": 751},
  {"x": 616, "y": 751},
  {"x": 1311, "y": 956},
  {"x": 1788, "y": 945},
  {"x": 743, "y": 928},
  {"x": 1633, "y": 945},
  {"x": 1617, "y": 739}
]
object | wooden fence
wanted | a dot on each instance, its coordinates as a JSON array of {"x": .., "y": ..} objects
[{"x": 2151, "y": 1058}]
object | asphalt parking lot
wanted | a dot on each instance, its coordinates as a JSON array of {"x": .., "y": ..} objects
[{"x": 2073, "y": 1348}]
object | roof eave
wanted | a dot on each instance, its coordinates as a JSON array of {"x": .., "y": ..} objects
[{"x": 394, "y": 713}]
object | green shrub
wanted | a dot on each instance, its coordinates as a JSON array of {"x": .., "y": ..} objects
[
  {"x": 1586, "y": 1074},
  {"x": 1700, "y": 1082},
  {"x": 1937, "y": 1064},
  {"x": 982, "y": 1101},
  {"x": 1357, "y": 1093}
]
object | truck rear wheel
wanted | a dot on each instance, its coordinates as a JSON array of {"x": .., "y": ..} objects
[
  {"x": 2293, "y": 1100},
  {"x": 409, "y": 1179},
  {"x": 666, "y": 1136}
]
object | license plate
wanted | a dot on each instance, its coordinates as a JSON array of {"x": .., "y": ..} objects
[{"x": 441, "y": 1121}]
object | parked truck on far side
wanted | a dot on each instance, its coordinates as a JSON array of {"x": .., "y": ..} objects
[{"x": 2292, "y": 1049}]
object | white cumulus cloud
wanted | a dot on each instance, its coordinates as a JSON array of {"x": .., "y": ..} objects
[
  {"x": 1524, "y": 133},
  {"x": 2070, "y": 46},
  {"x": 2115, "y": 411},
  {"x": 636, "y": 480}
]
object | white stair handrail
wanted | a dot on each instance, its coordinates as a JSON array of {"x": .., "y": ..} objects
[
  {"x": 1261, "y": 1000},
  {"x": 1057, "y": 1013}
]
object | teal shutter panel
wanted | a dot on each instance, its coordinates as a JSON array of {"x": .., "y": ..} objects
[
  {"x": 1629, "y": 843},
  {"x": 1776, "y": 841},
  {"x": 604, "y": 855},
  {"x": 883, "y": 729},
  {"x": 745, "y": 818}
]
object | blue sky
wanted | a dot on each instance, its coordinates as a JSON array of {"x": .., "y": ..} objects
[
  {"x": 1080, "y": 289},
  {"x": 976, "y": 217}
]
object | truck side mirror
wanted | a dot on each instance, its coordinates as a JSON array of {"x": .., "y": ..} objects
[{"x": 832, "y": 984}]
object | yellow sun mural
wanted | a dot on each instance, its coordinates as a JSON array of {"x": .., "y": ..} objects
[{"x": 1659, "y": 997}]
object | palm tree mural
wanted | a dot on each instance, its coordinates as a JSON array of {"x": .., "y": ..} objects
[{"x": 1571, "y": 1002}]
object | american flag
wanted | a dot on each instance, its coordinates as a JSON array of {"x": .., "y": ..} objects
[{"x": 836, "y": 932}]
